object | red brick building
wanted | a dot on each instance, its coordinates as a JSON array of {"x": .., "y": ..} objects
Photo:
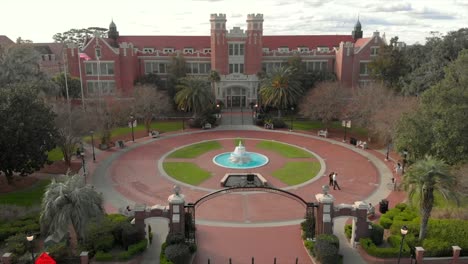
[{"x": 237, "y": 55}]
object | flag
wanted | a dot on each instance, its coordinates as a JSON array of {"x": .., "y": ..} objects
[{"x": 84, "y": 56}]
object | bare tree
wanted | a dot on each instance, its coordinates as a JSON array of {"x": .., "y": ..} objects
[
  {"x": 149, "y": 103},
  {"x": 325, "y": 102}
]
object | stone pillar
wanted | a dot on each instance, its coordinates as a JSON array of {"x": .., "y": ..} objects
[
  {"x": 419, "y": 255},
  {"x": 176, "y": 211},
  {"x": 140, "y": 216},
  {"x": 84, "y": 257},
  {"x": 456, "y": 253},
  {"x": 360, "y": 223},
  {"x": 7, "y": 258},
  {"x": 324, "y": 212}
]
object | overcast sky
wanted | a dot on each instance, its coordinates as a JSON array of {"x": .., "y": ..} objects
[{"x": 412, "y": 21}]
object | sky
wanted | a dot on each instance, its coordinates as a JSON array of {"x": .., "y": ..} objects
[{"x": 412, "y": 21}]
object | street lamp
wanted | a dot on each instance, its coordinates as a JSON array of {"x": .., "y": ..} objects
[
  {"x": 183, "y": 123},
  {"x": 405, "y": 156},
  {"x": 92, "y": 143},
  {"x": 292, "y": 118},
  {"x": 404, "y": 231},
  {"x": 30, "y": 240},
  {"x": 132, "y": 120}
]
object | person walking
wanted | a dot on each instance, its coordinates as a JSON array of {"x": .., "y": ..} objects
[
  {"x": 335, "y": 182},
  {"x": 330, "y": 178}
]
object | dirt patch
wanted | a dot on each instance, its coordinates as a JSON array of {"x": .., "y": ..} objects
[
  {"x": 60, "y": 167},
  {"x": 19, "y": 183}
]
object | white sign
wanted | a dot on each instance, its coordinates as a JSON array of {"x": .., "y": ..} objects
[
  {"x": 346, "y": 123},
  {"x": 134, "y": 123}
]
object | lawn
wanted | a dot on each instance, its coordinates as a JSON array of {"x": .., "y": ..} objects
[
  {"x": 55, "y": 154},
  {"x": 316, "y": 125},
  {"x": 283, "y": 149},
  {"x": 186, "y": 172},
  {"x": 161, "y": 126},
  {"x": 195, "y": 150},
  {"x": 27, "y": 197},
  {"x": 297, "y": 172}
]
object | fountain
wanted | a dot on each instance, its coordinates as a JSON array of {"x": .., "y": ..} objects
[
  {"x": 239, "y": 156},
  {"x": 240, "y": 159}
]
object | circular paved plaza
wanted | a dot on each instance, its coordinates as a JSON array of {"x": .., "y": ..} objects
[{"x": 239, "y": 225}]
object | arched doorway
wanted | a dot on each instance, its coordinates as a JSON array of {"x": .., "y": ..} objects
[{"x": 236, "y": 96}]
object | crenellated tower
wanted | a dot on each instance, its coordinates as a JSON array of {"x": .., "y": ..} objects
[
  {"x": 254, "y": 45},
  {"x": 219, "y": 45}
]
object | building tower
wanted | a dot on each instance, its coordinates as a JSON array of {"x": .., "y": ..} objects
[
  {"x": 219, "y": 45},
  {"x": 254, "y": 45},
  {"x": 357, "y": 32},
  {"x": 113, "y": 33}
]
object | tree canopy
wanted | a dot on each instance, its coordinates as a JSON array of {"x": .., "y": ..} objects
[
  {"x": 27, "y": 132},
  {"x": 194, "y": 94},
  {"x": 19, "y": 63},
  {"x": 73, "y": 83},
  {"x": 78, "y": 36},
  {"x": 149, "y": 103}
]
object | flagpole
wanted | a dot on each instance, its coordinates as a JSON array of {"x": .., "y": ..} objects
[{"x": 81, "y": 83}]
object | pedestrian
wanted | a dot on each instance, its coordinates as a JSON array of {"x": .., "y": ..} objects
[
  {"x": 398, "y": 168},
  {"x": 330, "y": 178},
  {"x": 335, "y": 182}
]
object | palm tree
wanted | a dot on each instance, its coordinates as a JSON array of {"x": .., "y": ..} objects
[
  {"x": 214, "y": 78},
  {"x": 280, "y": 88},
  {"x": 193, "y": 94},
  {"x": 69, "y": 205},
  {"x": 424, "y": 178}
]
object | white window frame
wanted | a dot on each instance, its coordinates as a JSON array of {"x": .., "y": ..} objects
[
  {"x": 374, "y": 51},
  {"x": 366, "y": 72},
  {"x": 236, "y": 49},
  {"x": 188, "y": 51},
  {"x": 265, "y": 49},
  {"x": 316, "y": 65},
  {"x": 303, "y": 49},
  {"x": 323, "y": 49},
  {"x": 236, "y": 68},
  {"x": 202, "y": 68},
  {"x": 207, "y": 50},
  {"x": 108, "y": 66},
  {"x": 148, "y": 50},
  {"x": 283, "y": 49},
  {"x": 150, "y": 67},
  {"x": 168, "y": 50},
  {"x": 107, "y": 87}
]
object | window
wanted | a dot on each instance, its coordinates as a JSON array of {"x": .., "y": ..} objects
[
  {"x": 266, "y": 49},
  {"x": 98, "y": 53},
  {"x": 107, "y": 68},
  {"x": 374, "y": 51},
  {"x": 168, "y": 50},
  {"x": 207, "y": 50},
  {"x": 96, "y": 88},
  {"x": 269, "y": 66},
  {"x": 236, "y": 68},
  {"x": 148, "y": 50},
  {"x": 303, "y": 49},
  {"x": 283, "y": 49},
  {"x": 323, "y": 49},
  {"x": 188, "y": 50},
  {"x": 363, "y": 68},
  {"x": 155, "y": 67},
  {"x": 236, "y": 49},
  {"x": 316, "y": 66},
  {"x": 197, "y": 68}
]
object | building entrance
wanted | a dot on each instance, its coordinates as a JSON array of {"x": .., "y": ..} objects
[{"x": 236, "y": 101}]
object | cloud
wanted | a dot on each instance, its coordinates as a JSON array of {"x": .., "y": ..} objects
[
  {"x": 427, "y": 13},
  {"x": 236, "y": 15},
  {"x": 461, "y": 2},
  {"x": 395, "y": 7},
  {"x": 207, "y": 0}
]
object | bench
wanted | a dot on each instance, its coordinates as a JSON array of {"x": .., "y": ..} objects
[
  {"x": 269, "y": 126},
  {"x": 206, "y": 126},
  {"x": 362, "y": 144},
  {"x": 154, "y": 134},
  {"x": 322, "y": 133},
  {"x": 121, "y": 144}
]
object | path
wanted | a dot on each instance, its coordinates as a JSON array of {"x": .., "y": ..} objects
[{"x": 130, "y": 176}]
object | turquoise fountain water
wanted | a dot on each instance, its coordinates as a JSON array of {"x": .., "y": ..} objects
[{"x": 240, "y": 159}]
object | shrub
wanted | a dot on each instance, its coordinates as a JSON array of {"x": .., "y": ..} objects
[
  {"x": 192, "y": 248},
  {"x": 309, "y": 245},
  {"x": 138, "y": 247},
  {"x": 10, "y": 213},
  {"x": 373, "y": 250},
  {"x": 130, "y": 235},
  {"x": 401, "y": 206},
  {"x": 58, "y": 251},
  {"x": 103, "y": 256},
  {"x": 104, "y": 243},
  {"x": 162, "y": 257},
  {"x": 175, "y": 238},
  {"x": 6, "y": 232},
  {"x": 278, "y": 123},
  {"x": 177, "y": 253},
  {"x": 125, "y": 255},
  {"x": 308, "y": 228},
  {"x": 326, "y": 248},
  {"x": 17, "y": 244},
  {"x": 348, "y": 229},
  {"x": 436, "y": 248},
  {"x": 99, "y": 236},
  {"x": 385, "y": 222},
  {"x": 377, "y": 233}
]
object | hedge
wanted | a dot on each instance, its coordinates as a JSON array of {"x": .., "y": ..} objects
[
  {"x": 177, "y": 253},
  {"x": 348, "y": 230},
  {"x": 133, "y": 250},
  {"x": 373, "y": 250},
  {"x": 162, "y": 257},
  {"x": 326, "y": 248},
  {"x": 103, "y": 256},
  {"x": 377, "y": 234}
]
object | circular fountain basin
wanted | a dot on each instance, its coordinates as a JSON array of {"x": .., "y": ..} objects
[{"x": 256, "y": 160}]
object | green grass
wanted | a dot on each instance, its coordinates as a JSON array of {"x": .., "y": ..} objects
[
  {"x": 186, "y": 172},
  {"x": 26, "y": 197},
  {"x": 297, "y": 172},
  {"x": 195, "y": 150},
  {"x": 55, "y": 154},
  {"x": 161, "y": 126},
  {"x": 315, "y": 125},
  {"x": 286, "y": 151}
]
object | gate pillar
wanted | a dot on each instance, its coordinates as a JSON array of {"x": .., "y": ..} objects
[
  {"x": 361, "y": 225},
  {"x": 324, "y": 212},
  {"x": 176, "y": 211}
]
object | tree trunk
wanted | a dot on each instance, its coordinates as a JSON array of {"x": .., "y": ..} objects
[
  {"x": 427, "y": 202},
  {"x": 148, "y": 124},
  {"x": 9, "y": 176}
]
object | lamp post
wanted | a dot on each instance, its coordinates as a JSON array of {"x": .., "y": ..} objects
[
  {"x": 405, "y": 156},
  {"x": 30, "y": 240},
  {"x": 346, "y": 124},
  {"x": 404, "y": 231},
  {"x": 183, "y": 123},
  {"x": 292, "y": 118},
  {"x": 82, "y": 155},
  {"x": 132, "y": 121},
  {"x": 92, "y": 143}
]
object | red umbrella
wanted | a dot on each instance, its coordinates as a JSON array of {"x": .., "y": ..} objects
[{"x": 45, "y": 259}]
